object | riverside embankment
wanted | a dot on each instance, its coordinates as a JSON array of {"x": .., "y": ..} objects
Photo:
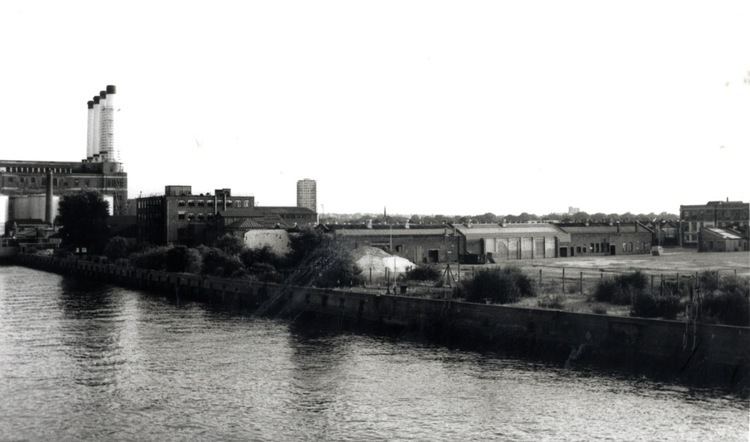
[{"x": 695, "y": 353}]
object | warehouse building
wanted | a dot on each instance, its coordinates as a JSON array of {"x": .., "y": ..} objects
[
  {"x": 419, "y": 244},
  {"x": 617, "y": 239},
  {"x": 481, "y": 243}
]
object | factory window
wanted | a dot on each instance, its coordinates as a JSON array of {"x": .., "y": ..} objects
[
  {"x": 238, "y": 203},
  {"x": 22, "y": 179},
  {"x": 200, "y": 217},
  {"x": 191, "y": 203},
  {"x": 190, "y": 216},
  {"x": 54, "y": 181},
  {"x": 33, "y": 180},
  {"x": 597, "y": 247},
  {"x": 201, "y": 203},
  {"x": 399, "y": 248},
  {"x": 246, "y": 203},
  {"x": 592, "y": 248},
  {"x": 181, "y": 215},
  {"x": 181, "y": 203}
]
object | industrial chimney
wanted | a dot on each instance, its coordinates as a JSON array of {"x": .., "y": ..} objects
[
  {"x": 90, "y": 132},
  {"x": 107, "y": 145},
  {"x": 95, "y": 129},
  {"x": 103, "y": 151}
]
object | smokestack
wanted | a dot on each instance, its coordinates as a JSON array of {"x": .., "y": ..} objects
[
  {"x": 90, "y": 132},
  {"x": 103, "y": 152},
  {"x": 48, "y": 203},
  {"x": 107, "y": 145},
  {"x": 95, "y": 129}
]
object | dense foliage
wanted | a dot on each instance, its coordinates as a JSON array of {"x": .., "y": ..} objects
[
  {"x": 621, "y": 289},
  {"x": 83, "y": 217},
  {"x": 728, "y": 303},
  {"x": 500, "y": 285},
  {"x": 117, "y": 247},
  {"x": 423, "y": 273}
]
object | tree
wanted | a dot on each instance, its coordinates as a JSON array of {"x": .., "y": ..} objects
[{"x": 83, "y": 217}]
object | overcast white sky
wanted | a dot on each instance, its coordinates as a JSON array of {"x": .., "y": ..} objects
[{"x": 421, "y": 106}]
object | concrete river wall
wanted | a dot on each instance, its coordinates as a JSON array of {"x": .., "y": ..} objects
[{"x": 694, "y": 353}]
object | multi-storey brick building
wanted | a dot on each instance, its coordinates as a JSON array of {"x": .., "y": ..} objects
[
  {"x": 164, "y": 219},
  {"x": 729, "y": 214}
]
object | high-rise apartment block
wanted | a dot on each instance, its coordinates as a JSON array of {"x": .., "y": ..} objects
[{"x": 307, "y": 194}]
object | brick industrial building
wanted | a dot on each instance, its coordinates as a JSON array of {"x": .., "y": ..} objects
[
  {"x": 180, "y": 216},
  {"x": 618, "y": 239},
  {"x": 179, "y": 213},
  {"x": 730, "y": 214},
  {"x": 419, "y": 244}
]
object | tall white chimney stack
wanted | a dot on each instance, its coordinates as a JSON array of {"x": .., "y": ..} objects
[
  {"x": 90, "y": 132},
  {"x": 95, "y": 129},
  {"x": 103, "y": 152},
  {"x": 107, "y": 142}
]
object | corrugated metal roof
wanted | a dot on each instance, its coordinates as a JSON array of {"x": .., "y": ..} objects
[
  {"x": 724, "y": 233},
  {"x": 394, "y": 232},
  {"x": 493, "y": 230},
  {"x": 624, "y": 228}
]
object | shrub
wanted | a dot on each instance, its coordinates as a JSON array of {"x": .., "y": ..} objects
[
  {"x": 424, "y": 273},
  {"x": 551, "y": 301},
  {"x": 231, "y": 245},
  {"x": 621, "y": 289},
  {"x": 729, "y": 303},
  {"x": 218, "y": 263},
  {"x": 599, "y": 309},
  {"x": 327, "y": 265},
  {"x": 504, "y": 285},
  {"x": 183, "y": 259},
  {"x": 646, "y": 305},
  {"x": 117, "y": 247},
  {"x": 151, "y": 259},
  {"x": 266, "y": 272},
  {"x": 263, "y": 255},
  {"x": 62, "y": 253}
]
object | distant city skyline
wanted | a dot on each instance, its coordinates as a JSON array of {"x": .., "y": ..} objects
[{"x": 424, "y": 107}]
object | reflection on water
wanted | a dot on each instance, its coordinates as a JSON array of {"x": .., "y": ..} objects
[{"x": 89, "y": 361}]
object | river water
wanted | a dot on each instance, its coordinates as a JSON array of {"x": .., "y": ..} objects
[{"x": 83, "y": 361}]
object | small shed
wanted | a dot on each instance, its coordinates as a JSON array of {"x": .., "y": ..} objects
[{"x": 715, "y": 239}]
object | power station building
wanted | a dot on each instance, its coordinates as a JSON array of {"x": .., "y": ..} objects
[
  {"x": 307, "y": 194},
  {"x": 24, "y": 185}
]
